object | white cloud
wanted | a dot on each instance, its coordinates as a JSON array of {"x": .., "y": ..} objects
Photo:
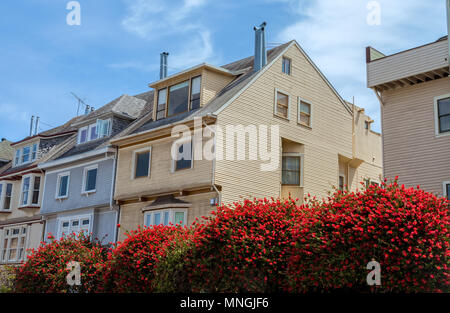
[
  {"x": 335, "y": 34},
  {"x": 13, "y": 113},
  {"x": 157, "y": 19}
]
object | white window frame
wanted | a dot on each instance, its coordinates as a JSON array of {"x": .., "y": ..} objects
[
  {"x": 84, "y": 180},
  {"x": 21, "y": 204},
  {"x": 70, "y": 219},
  {"x": 444, "y": 187},
  {"x": 4, "y": 251},
  {"x": 302, "y": 160},
  {"x": 290, "y": 65},
  {"x": 171, "y": 211},
  {"x": 3, "y": 196},
  {"x": 17, "y": 156},
  {"x": 58, "y": 182},
  {"x": 436, "y": 116},
  {"x": 275, "y": 111},
  {"x": 299, "y": 101},
  {"x": 79, "y": 134},
  {"x": 178, "y": 144},
  {"x": 33, "y": 158},
  {"x": 133, "y": 167},
  {"x": 108, "y": 130}
]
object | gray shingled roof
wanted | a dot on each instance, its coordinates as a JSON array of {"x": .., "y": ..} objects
[{"x": 245, "y": 65}]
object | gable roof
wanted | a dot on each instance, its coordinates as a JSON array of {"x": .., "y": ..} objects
[{"x": 245, "y": 76}]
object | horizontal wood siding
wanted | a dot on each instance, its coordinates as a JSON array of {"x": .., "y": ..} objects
[{"x": 411, "y": 149}]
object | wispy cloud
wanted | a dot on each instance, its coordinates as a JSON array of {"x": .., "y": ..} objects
[
  {"x": 335, "y": 34},
  {"x": 155, "y": 19}
]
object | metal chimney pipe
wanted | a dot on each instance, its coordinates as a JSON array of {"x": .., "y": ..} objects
[
  {"x": 31, "y": 125},
  {"x": 36, "y": 125},
  {"x": 86, "y": 110},
  {"x": 448, "y": 30},
  {"x": 163, "y": 65},
  {"x": 260, "y": 47}
]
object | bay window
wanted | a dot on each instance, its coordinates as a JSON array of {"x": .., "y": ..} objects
[
  {"x": 99, "y": 129},
  {"x": 74, "y": 225},
  {"x": 25, "y": 190},
  {"x": 165, "y": 217},
  {"x": 29, "y": 195},
  {"x": 13, "y": 244}
]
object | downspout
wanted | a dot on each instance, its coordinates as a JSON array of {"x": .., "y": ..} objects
[
  {"x": 111, "y": 201},
  {"x": 42, "y": 201},
  {"x": 213, "y": 177},
  {"x": 448, "y": 31},
  {"x": 380, "y": 99}
]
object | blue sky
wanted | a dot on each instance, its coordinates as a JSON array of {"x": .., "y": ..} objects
[{"x": 116, "y": 48}]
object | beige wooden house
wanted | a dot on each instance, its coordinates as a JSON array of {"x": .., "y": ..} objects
[
  {"x": 322, "y": 140},
  {"x": 413, "y": 87}
]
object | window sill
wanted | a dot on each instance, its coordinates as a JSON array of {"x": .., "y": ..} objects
[
  {"x": 87, "y": 193},
  {"x": 440, "y": 135},
  {"x": 287, "y": 185},
  {"x": 5, "y": 211},
  {"x": 304, "y": 125},
  {"x": 282, "y": 117},
  {"x": 33, "y": 206},
  {"x": 61, "y": 198}
]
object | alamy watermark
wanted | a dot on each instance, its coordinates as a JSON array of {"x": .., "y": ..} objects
[
  {"x": 374, "y": 16},
  {"x": 74, "y": 16},
  {"x": 73, "y": 278},
  {"x": 374, "y": 277}
]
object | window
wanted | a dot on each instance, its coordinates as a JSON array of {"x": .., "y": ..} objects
[
  {"x": 341, "y": 183},
  {"x": 165, "y": 217},
  {"x": 195, "y": 92},
  {"x": 13, "y": 244},
  {"x": 62, "y": 186},
  {"x": 178, "y": 98},
  {"x": 17, "y": 157},
  {"x": 286, "y": 66},
  {"x": 36, "y": 188},
  {"x": 366, "y": 125},
  {"x": 162, "y": 100},
  {"x": 443, "y": 114},
  {"x": 25, "y": 155},
  {"x": 74, "y": 225},
  {"x": 94, "y": 131},
  {"x": 304, "y": 112},
  {"x": 184, "y": 156},
  {"x": 446, "y": 187},
  {"x": 8, "y": 195},
  {"x": 102, "y": 129},
  {"x": 34, "y": 152},
  {"x": 25, "y": 190},
  {"x": 142, "y": 163},
  {"x": 281, "y": 104},
  {"x": 90, "y": 179},
  {"x": 83, "y": 135},
  {"x": 291, "y": 169}
]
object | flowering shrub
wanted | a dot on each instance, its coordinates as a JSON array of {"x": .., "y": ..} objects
[
  {"x": 45, "y": 270},
  {"x": 7, "y": 279},
  {"x": 131, "y": 264},
  {"x": 405, "y": 230},
  {"x": 243, "y": 248}
]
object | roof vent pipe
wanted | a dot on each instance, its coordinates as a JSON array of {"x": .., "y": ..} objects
[
  {"x": 448, "y": 30},
  {"x": 36, "y": 125},
  {"x": 260, "y": 47},
  {"x": 31, "y": 125},
  {"x": 86, "y": 109},
  {"x": 163, "y": 65}
]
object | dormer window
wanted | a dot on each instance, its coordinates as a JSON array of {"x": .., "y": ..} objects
[
  {"x": 94, "y": 131},
  {"x": 26, "y": 155},
  {"x": 179, "y": 98}
]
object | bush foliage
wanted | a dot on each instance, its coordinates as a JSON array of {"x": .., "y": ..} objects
[{"x": 268, "y": 246}]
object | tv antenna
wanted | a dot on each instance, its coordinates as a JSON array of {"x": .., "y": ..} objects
[{"x": 80, "y": 102}]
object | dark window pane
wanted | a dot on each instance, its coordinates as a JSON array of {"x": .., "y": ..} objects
[
  {"x": 291, "y": 171},
  {"x": 8, "y": 194},
  {"x": 63, "y": 186},
  {"x": 178, "y": 98},
  {"x": 444, "y": 123},
  {"x": 184, "y": 163},
  {"x": 91, "y": 179},
  {"x": 195, "y": 92},
  {"x": 448, "y": 191},
  {"x": 142, "y": 164},
  {"x": 444, "y": 106},
  {"x": 161, "y": 106},
  {"x": 36, "y": 186}
]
